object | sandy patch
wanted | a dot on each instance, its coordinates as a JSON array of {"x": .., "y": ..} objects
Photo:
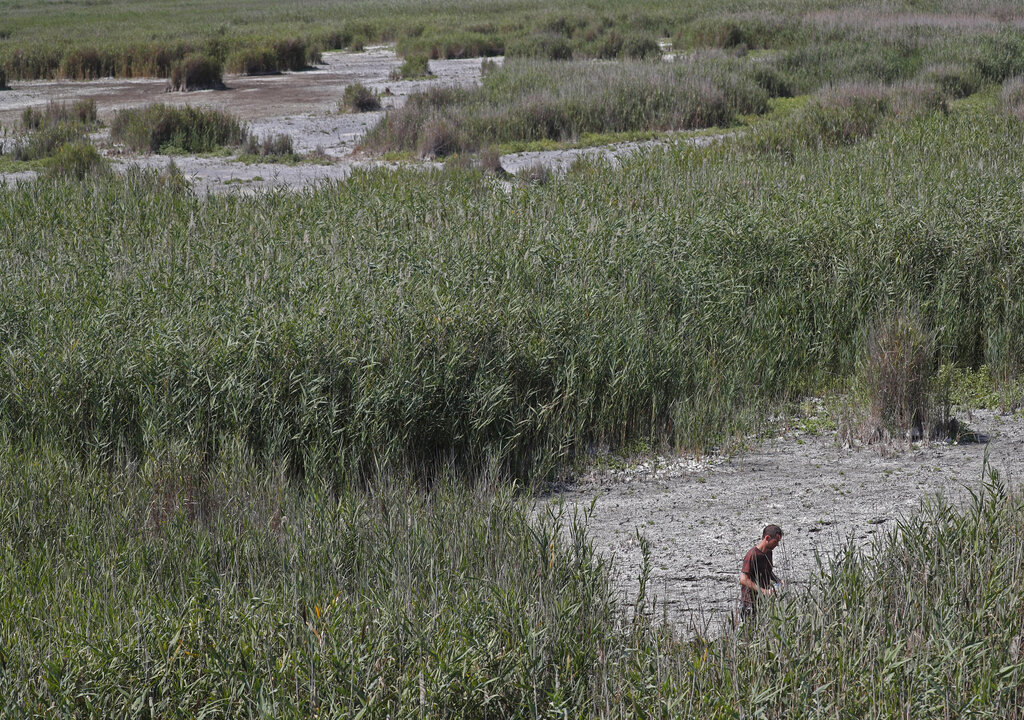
[{"x": 701, "y": 516}]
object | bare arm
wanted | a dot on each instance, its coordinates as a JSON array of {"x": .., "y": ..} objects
[{"x": 748, "y": 582}]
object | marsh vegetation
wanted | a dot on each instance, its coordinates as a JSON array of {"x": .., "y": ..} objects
[{"x": 271, "y": 455}]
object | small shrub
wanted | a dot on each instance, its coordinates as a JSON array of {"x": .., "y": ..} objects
[
  {"x": 156, "y": 127},
  {"x": 536, "y": 174},
  {"x": 196, "y": 72},
  {"x": 253, "y": 61},
  {"x": 546, "y": 46},
  {"x": 955, "y": 81},
  {"x": 913, "y": 99},
  {"x": 359, "y": 98},
  {"x": 775, "y": 82},
  {"x": 834, "y": 116},
  {"x": 415, "y": 66},
  {"x": 273, "y": 146},
  {"x": 46, "y": 140},
  {"x": 1011, "y": 99},
  {"x": 292, "y": 54},
  {"x": 31, "y": 118},
  {"x": 439, "y": 138},
  {"x": 898, "y": 362},
  {"x": 487, "y": 66},
  {"x": 80, "y": 112},
  {"x": 76, "y": 161},
  {"x": 640, "y": 47},
  {"x": 490, "y": 161}
]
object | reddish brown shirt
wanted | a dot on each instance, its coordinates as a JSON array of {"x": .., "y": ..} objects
[{"x": 758, "y": 566}]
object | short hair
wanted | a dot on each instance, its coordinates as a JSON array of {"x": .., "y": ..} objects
[{"x": 772, "y": 531}]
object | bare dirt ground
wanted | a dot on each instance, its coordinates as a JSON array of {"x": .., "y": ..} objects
[
  {"x": 700, "y": 516},
  {"x": 303, "y": 105}
]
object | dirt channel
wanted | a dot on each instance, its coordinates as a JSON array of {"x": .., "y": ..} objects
[
  {"x": 303, "y": 105},
  {"x": 701, "y": 515}
]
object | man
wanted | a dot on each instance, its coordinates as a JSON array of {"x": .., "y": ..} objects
[{"x": 758, "y": 574}]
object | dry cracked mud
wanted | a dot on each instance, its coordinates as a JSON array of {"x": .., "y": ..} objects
[{"x": 700, "y": 516}]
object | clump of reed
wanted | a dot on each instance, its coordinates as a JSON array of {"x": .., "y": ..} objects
[
  {"x": 196, "y": 72},
  {"x": 75, "y": 160},
  {"x": 253, "y": 61},
  {"x": 358, "y": 98},
  {"x": 79, "y": 112},
  {"x": 157, "y": 128},
  {"x": 413, "y": 67},
  {"x": 536, "y": 100},
  {"x": 1011, "y": 98},
  {"x": 844, "y": 114},
  {"x": 47, "y": 130},
  {"x": 518, "y": 329},
  {"x": 896, "y": 372},
  {"x": 278, "y": 148}
]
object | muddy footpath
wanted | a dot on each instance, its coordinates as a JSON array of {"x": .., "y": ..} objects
[{"x": 701, "y": 515}]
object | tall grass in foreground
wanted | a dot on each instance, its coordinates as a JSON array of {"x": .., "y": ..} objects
[
  {"x": 403, "y": 320},
  {"x": 538, "y": 100},
  {"x": 163, "y": 589}
]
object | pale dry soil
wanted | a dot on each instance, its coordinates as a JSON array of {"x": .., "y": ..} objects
[
  {"x": 701, "y": 515},
  {"x": 303, "y": 105}
]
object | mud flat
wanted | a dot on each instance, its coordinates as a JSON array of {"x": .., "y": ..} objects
[
  {"x": 302, "y": 105},
  {"x": 700, "y": 516}
]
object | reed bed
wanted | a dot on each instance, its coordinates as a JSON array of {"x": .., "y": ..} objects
[
  {"x": 558, "y": 100},
  {"x": 165, "y": 590},
  {"x": 413, "y": 319},
  {"x": 868, "y": 41}
]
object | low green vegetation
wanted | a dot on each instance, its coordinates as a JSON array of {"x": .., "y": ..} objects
[
  {"x": 167, "y": 128},
  {"x": 272, "y": 148},
  {"x": 414, "y": 67},
  {"x": 358, "y": 98},
  {"x": 844, "y": 114},
  {"x": 196, "y": 72}
]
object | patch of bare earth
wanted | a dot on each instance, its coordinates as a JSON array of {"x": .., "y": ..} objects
[
  {"x": 700, "y": 516},
  {"x": 303, "y": 105}
]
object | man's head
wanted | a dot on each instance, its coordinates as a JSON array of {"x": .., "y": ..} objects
[{"x": 771, "y": 536}]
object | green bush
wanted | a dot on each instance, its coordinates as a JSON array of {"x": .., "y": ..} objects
[
  {"x": 253, "y": 61},
  {"x": 157, "y": 127},
  {"x": 1011, "y": 98},
  {"x": 955, "y": 80},
  {"x": 75, "y": 160},
  {"x": 47, "y": 140},
  {"x": 412, "y": 68},
  {"x": 197, "y": 72},
  {"x": 359, "y": 98},
  {"x": 279, "y": 147},
  {"x": 544, "y": 46},
  {"x": 293, "y": 54}
]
